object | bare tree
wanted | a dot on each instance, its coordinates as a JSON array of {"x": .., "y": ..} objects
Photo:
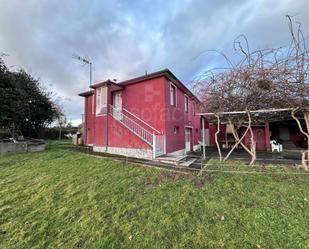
[
  {"x": 261, "y": 79},
  {"x": 61, "y": 120}
]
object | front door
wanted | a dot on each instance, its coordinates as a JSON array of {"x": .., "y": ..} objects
[
  {"x": 117, "y": 102},
  {"x": 187, "y": 139},
  {"x": 260, "y": 139}
]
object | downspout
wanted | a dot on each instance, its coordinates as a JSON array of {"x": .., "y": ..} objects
[
  {"x": 84, "y": 121},
  {"x": 153, "y": 145},
  {"x": 107, "y": 111},
  {"x": 203, "y": 135},
  {"x": 94, "y": 118},
  {"x": 106, "y": 148}
]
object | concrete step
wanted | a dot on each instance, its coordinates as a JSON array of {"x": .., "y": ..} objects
[
  {"x": 159, "y": 151},
  {"x": 175, "y": 160},
  {"x": 187, "y": 163}
]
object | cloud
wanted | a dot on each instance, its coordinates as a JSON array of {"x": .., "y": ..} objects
[{"x": 126, "y": 38}]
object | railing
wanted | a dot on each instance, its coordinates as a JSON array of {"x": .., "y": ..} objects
[
  {"x": 159, "y": 145},
  {"x": 132, "y": 125},
  {"x": 142, "y": 121},
  {"x": 156, "y": 141}
]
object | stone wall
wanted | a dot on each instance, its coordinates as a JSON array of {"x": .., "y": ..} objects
[
  {"x": 9, "y": 147},
  {"x": 130, "y": 152}
]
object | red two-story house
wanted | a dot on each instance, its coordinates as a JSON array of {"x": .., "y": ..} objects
[{"x": 145, "y": 117}]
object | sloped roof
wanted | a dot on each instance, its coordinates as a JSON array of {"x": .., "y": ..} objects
[
  {"x": 166, "y": 73},
  {"x": 162, "y": 73}
]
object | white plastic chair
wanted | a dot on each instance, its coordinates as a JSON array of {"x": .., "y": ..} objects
[{"x": 275, "y": 146}]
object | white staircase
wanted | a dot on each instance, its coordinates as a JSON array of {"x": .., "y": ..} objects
[{"x": 156, "y": 141}]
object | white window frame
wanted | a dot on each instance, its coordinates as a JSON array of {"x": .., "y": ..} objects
[
  {"x": 175, "y": 96},
  {"x": 99, "y": 100},
  {"x": 186, "y": 103},
  {"x": 194, "y": 108}
]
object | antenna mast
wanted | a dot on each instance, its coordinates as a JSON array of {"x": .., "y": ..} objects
[{"x": 85, "y": 60}]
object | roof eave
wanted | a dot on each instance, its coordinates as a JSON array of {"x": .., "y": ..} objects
[
  {"x": 86, "y": 94},
  {"x": 108, "y": 82}
]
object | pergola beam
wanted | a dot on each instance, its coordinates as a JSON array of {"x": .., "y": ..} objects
[{"x": 244, "y": 112}]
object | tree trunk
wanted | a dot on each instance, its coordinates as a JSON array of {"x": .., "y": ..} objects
[
  {"x": 252, "y": 150},
  {"x": 13, "y": 131},
  {"x": 252, "y": 141},
  {"x": 252, "y": 147},
  {"x": 60, "y": 130},
  {"x": 237, "y": 139},
  {"x": 216, "y": 137},
  {"x": 305, "y": 154}
]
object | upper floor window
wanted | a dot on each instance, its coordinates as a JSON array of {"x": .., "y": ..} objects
[
  {"x": 173, "y": 94},
  {"x": 186, "y": 103},
  {"x": 92, "y": 103},
  {"x": 194, "y": 110},
  {"x": 101, "y": 101}
]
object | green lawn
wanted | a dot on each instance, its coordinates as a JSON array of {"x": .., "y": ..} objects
[{"x": 65, "y": 199}]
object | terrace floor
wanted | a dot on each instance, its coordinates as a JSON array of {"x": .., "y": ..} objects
[{"x": 291, "y": 157}]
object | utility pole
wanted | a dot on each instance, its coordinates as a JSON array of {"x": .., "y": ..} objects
[{"x": 85, "y": 61}]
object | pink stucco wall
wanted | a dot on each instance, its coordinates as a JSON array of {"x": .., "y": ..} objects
[
  {"x": 177, "y": 117},
  {"x": 148, "y": 100}
]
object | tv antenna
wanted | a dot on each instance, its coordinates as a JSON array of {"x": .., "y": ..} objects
[{"x": 85, "y": 60}]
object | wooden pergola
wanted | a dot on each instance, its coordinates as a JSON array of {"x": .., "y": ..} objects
[{"x": 235, "y": 113}]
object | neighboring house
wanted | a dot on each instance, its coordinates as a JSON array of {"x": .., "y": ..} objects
[{"x": 144, "y": 117}]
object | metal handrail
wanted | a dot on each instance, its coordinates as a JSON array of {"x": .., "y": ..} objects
[
  {"x": 154, "y": 129},
  {"x": 132, "y": 125}
]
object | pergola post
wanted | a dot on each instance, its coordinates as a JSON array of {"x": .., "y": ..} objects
[
  {"x": 267, "y": 136},
  {"x": 239, "y": 140},
  {"x": 203, "y": 135}
]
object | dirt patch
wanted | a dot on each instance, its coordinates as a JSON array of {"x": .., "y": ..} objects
[
  {"x": 81, "y": 243},
  {"x": 132, "y": 189},
  {"x": 131, "y": 214},
  {"x": 199, "y": 182}
]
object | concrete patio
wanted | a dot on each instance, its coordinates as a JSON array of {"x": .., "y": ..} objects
[{"x": 291, "y": 157}]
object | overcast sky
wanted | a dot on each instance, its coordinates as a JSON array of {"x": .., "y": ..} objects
[{"x": 126, "y": 38}]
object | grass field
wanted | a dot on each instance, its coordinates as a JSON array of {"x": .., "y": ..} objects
[{"x": 65, "y": 199}]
